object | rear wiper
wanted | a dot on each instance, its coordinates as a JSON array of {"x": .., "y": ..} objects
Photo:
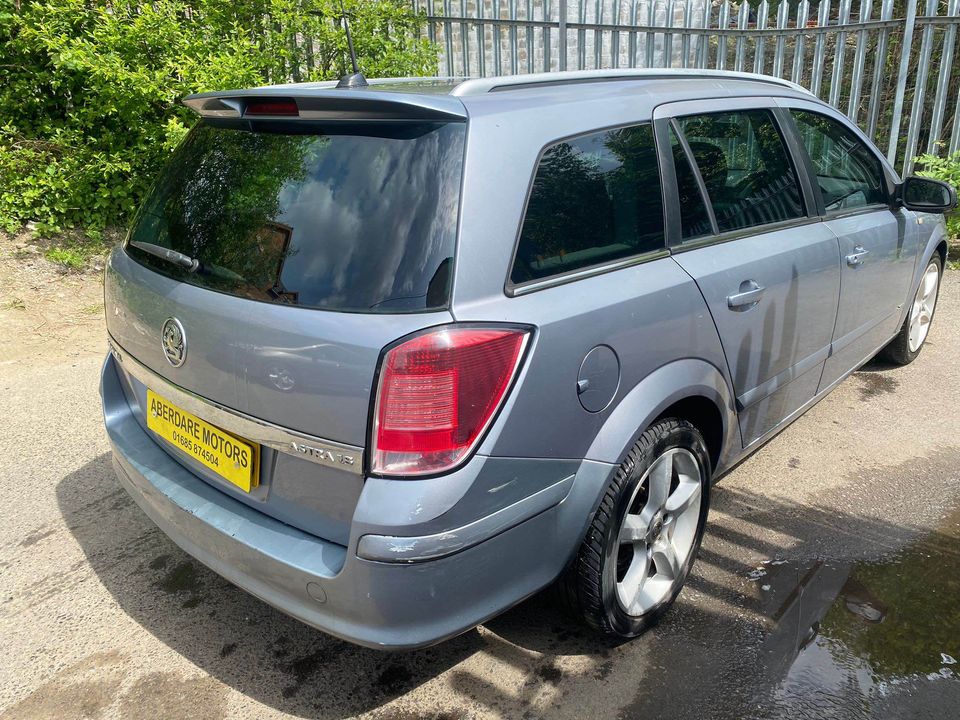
[
  {"x": 177, "y": 258},
  {"x": 191, "y": 265}
]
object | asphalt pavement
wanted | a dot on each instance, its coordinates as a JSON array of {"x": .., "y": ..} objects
[{"x": 828, "y": 584}]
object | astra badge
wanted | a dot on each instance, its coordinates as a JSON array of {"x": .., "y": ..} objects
[{"x": 174, "y": 342}]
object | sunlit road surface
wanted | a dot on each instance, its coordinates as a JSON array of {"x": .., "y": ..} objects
[{"x": 828, "y": 584}]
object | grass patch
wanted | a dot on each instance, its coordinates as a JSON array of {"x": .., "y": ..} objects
[
  {"x": 68, "y": 257},
  {"x": 77, "y": 251},
  {"x": 94, "y": 309},
  {"x": 953, "y": 254},
  {"x": 15, "y": 304}
]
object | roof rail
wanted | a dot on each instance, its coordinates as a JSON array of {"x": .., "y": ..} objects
[{"x": 481, "y": 86}]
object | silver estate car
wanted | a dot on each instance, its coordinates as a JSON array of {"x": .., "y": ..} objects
[{"x": 394, "y": 358}]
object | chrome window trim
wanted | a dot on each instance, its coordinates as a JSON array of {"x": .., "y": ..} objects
[
  {"x": 739, "y": 234},
  {"x": 582, "y": 273},
  {"x": 328, "y": 453}
]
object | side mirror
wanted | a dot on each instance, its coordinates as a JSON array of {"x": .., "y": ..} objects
[{"x": 927, "y": 195}]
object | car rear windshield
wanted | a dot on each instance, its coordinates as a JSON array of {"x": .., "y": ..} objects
[{"x": 347, "y": 217}]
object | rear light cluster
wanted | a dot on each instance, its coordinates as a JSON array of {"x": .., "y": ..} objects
[{"x": 438, "y": 393}]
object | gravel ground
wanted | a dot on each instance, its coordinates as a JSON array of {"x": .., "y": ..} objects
[{"x": 102, "y": 616}]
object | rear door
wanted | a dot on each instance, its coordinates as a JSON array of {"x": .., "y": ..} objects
[
  {"x": 878, "y": 242},
  {"x": 745, "y": 227}
]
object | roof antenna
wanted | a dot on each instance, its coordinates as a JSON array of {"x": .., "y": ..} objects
[{"x": 355, "y": 79}]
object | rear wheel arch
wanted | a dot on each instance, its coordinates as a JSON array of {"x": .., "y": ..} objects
[
  {"x": 688, "y": 389},
  {"x": 692, "y": 386},
  {"x": 598, "y": 583},
  {"x": 704, "y": 414}
]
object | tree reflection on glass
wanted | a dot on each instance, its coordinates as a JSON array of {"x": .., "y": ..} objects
[
  {"x": 219, "y": 199},
  {"x": 594, "y": 199},
  {"x": 341, "y": 216}
]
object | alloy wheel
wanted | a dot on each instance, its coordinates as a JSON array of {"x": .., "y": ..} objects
[
  {"x": 658, "y": 531},
  {"x": 923, "y": 305}
]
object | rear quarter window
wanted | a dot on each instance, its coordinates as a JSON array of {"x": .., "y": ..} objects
[
  {"x": 343, "y": 216},
  {"x": 595, "y": 199}
]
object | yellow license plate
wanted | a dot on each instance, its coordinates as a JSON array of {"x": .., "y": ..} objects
[{"x": 230, "y": 457}]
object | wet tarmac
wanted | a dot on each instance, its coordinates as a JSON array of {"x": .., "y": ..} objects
[
  {"x": 874, "y": 639},
  {"x": 828, "y": 586}
]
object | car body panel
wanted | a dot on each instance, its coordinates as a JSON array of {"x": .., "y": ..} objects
[
  {"x": 652, "y": 396},
  {"x": 304, "y": 370},
  {"x": 776, "y": 348},
  {"x": 875, "y": 291},
  {"x": 507, "y": 134},
  {"x": 649, "y": 315},
  {"x": 874, "y": 286}
]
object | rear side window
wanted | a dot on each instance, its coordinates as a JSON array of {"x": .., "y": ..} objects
[
  {"x": 595, "y": 199},
  {"x": 344, "y": 216},
  {"x": 745, "y": 167},
  {"x": 849, "y": 175}
]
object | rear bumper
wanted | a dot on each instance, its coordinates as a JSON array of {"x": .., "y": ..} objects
[{"x": 327, "y": 585}]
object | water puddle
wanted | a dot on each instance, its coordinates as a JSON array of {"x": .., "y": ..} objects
[
  {"x": 871, "y": 639},
  {"x": 816, "y": 638}
]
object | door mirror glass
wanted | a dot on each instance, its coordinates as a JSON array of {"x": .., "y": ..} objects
[{"x": 928, "y": 195}]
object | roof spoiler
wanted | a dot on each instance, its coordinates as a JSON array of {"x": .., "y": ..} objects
[{"x": 325, "y": 102}]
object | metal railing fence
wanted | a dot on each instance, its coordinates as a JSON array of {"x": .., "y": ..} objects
[{"x": 890, "y": 65}]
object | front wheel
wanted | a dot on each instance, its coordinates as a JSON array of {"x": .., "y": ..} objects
[
  {"x": 905, "y": 347},
  {"x": 645, "y": 534}
]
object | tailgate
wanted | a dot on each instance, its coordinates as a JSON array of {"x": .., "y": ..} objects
[
  {"x": 270, "y": 265},
  {"x": 297, "y": 382}
]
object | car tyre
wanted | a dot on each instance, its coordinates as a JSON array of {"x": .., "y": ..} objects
[
  {"x": 645, "y": 534},
  {"x": 908, "y": 343}
]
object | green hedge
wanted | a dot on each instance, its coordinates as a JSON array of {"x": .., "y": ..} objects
[
  {"x": 947, "y": 169},
  {"x": 89, "y": 89}
]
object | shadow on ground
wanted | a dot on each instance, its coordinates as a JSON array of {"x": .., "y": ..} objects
[{"x": 774, "y": 579}]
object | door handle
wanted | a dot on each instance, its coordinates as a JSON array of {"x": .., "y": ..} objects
[
  {"x": 856, "y": 257},
  {"x": 749, "y": 295}
]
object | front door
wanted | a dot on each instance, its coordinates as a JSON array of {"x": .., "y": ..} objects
[
  {"x": 878, "y": 245},
  {"x": 766, "y": 265}
]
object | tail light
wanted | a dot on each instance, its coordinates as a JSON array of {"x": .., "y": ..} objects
[{"x": 438, "y": 393}]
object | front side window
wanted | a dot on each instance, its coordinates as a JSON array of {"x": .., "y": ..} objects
[
  {"x": 849, "y": 175},
  {"x": 745, "y": 167},
  {"x": 594, "y": 199}
]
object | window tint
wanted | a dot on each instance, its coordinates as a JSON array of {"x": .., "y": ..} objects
[
  {"x": 343, "y": 217},
  {"x": 744, "y": 164},
  {"x": 694, "y": 218},
  {"x": 848, "y": 173},
  {"x": 594, "y": 199}
]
